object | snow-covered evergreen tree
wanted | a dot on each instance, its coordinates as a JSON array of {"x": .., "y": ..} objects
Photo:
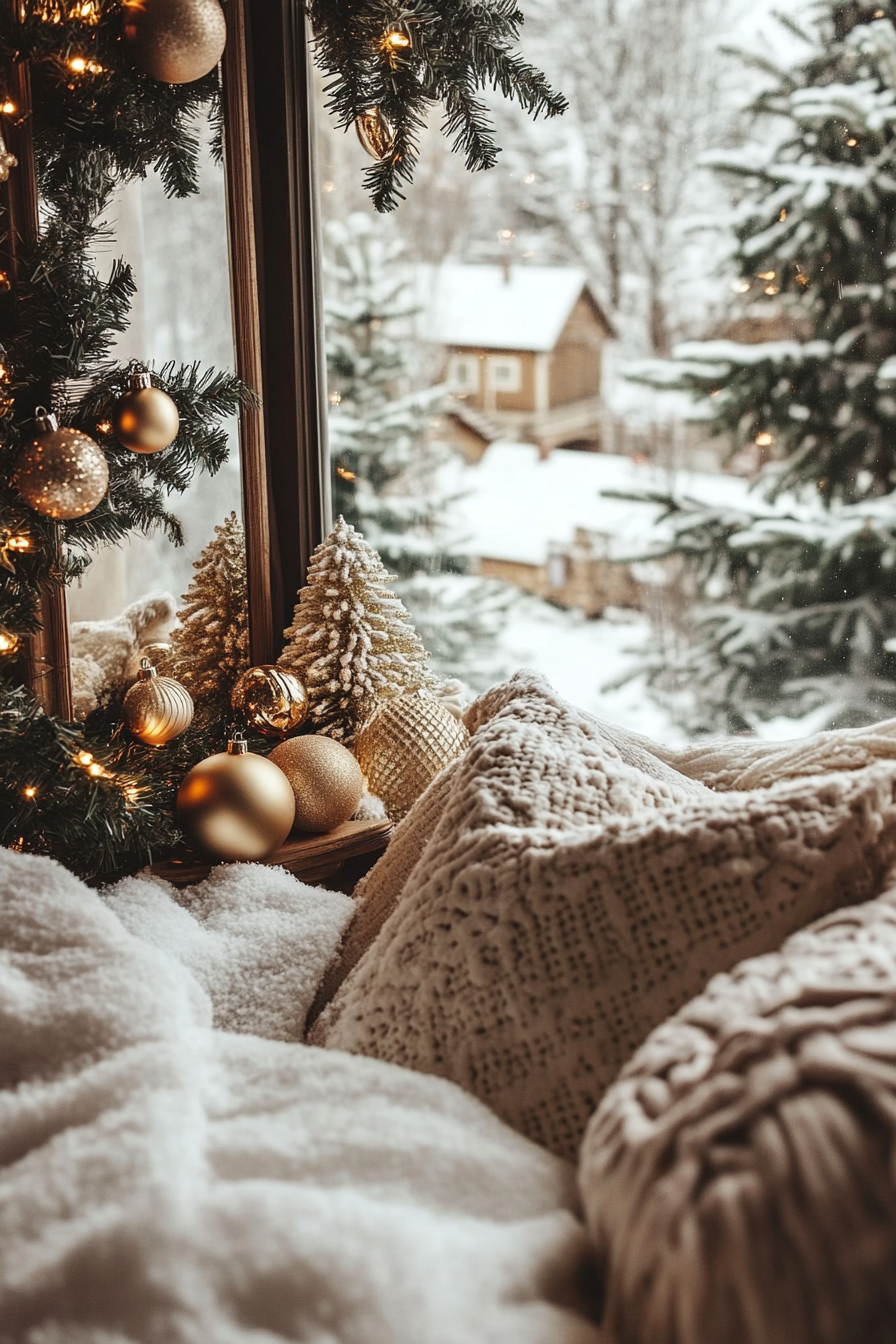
[
  {"x": 386, "y": 462},
  {"x": 798, "y": 605},
  {"x": 210, "y": 646},
  {"x": 351, "y": 641}
]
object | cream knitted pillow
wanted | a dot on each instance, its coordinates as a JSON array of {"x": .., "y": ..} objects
[
  {"x": 559, "y": 903},
  {"x": 739, "y": 1177}
]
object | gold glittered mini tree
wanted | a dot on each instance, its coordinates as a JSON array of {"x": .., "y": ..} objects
[
  {"x": 210, "y": 646},
  {"x": 351, "y": 641}
]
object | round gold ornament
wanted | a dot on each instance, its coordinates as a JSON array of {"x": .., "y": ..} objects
[
  {"x": 376, "y": 132},
  {"x": 403, "y": 746},
  {"x": 271, "y": 700},
  {"x": 61, "y": 473},
  {"x": 175, "y": 41},
  {"x": 235, "y": 806},
  {"x": 156, "y": 708},
  {"x": 145, "y": 419},
  {"x": 325, "y": 778}
]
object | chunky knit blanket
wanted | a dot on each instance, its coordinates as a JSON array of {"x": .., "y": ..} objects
[{"x": 560, "y": 890}]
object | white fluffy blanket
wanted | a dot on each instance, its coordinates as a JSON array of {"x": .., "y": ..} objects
[{"x": 168, "y": 1182}]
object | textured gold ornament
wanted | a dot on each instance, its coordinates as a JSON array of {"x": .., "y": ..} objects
[
  {"x": 376, "y": 132},
  {"x": 403, "y": 746},
  {"x": 236, "y": 806},
  {"x": 175, "y": 41},
  {"x": 156, "y": 709},
  {"x": 145, "y": 419},
  {"x": 61, "y": 473},
  {"x": 325, "y": 778},
  {"x": 271, "y": 700}
]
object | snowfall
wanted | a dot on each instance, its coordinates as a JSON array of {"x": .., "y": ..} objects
[{"x": 516, "y": 505}]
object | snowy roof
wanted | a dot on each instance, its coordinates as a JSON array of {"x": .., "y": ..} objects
[
  {"x": 497, "y": 307},
  {"x": 517, "y": 506}
]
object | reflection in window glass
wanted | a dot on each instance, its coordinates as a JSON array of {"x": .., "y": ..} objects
[{"x": 622, "y": 409}]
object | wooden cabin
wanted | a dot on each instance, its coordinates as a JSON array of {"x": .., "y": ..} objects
[{"x": 523, "y": 353}]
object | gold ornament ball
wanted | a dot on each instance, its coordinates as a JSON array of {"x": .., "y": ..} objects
[
  {"x": 145, "y": 420},
  {"x": 376, "y": 132},
  {"x": 325, "y": 778},
  {"x": 61, "y": 473},
  {"x": 271, "y": 700},
  {"x": 235, "y": 806},
  {"x": 156, "y": 709},
  {"x": 403, "y": 746},
  {"x": 175, "y": 41}
]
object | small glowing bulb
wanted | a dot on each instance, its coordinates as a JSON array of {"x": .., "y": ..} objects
[
  {"x": 8, "y": 107},
  {"x": 782, "y": 215},
  {"x": 852, "y": 142},
  {"x": 529, "y": 179},
  {"x": 77, "y": 64},
  {"x": 506, "y": 235},
  {"x": 397, "y": 40},
  {"x": 772, "y": 289},
  {"x": 30, "y": 791},
  {"x": 344, "y": 474},
  {"x": 766, "y": 275},
  {"x": 740, "y": 286},
  {"x": 329, "y": 187},
  {"x": 84, "y": 758},
  {"x": 764, "y": 440},
  {"x": 104, "y": 427},
  {"x": 131, "y": 793},
  {"x": 335, "y": 398},
  {"x": 19, "y": 543},
  {"x": 95, "y": 769}
]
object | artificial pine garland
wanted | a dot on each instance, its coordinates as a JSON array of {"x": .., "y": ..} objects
[{"x": 403, "y": 59}]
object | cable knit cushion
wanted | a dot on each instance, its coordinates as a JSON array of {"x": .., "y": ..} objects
[
  {"x": 547, "y": 903},
  {"x": 739, "y": 1178}
]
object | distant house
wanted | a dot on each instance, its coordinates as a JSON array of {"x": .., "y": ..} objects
[{"x": 524, "y": 348}]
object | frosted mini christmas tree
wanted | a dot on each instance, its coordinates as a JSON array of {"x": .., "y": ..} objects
[
  {"x": 351, "y": 641},
  {"x": 210, "y": 647}
]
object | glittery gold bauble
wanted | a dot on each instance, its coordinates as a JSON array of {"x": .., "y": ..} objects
[
  {"x": 156, "y": 708},
  {"x": 175, "y": 41},
  {"x": 235, "y": 806},
  {"x": 61, "y": 473},
  {"x": 271, "y": 700},
  {"x": 326, "y": 780},
  {"x": 145, "y": 419},
  {"x": 376, "y": 132},
  {"x": 403, "y": 746}
]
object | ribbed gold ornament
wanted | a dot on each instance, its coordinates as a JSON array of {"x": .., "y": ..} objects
[
  {"x": 325, "y": 778},
  {"x": 145, "y": 418},
  {"x": 403, "y": 746},
  {"x": 235, "y": 806},
  {"x": 376, "y": 132},
  {"x": 61, "y": 473},
  {"x": 156, "y": 708},
  {"x": 175, "y": 41},
  {"x": 271, "y": 700}
]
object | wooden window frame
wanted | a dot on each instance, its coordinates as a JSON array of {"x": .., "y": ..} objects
[{"x": 278, "y": 328}]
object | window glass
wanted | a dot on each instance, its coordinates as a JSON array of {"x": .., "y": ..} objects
[{"x": 617, "y": 409}]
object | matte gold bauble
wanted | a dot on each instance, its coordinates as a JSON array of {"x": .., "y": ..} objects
[
  {"x": 271, "y": 700},
  {"x": 61, "y": 473},
  {"x": 376, "y": 132},
  {"x": 325, "y": 778},
  {"x": 403, "y": 746},
  {"x": 145, "y": 419},
  {"x": 156, "y": 709},
  {"x": 235, "y": 806},
  {"x": 175, "y": 41}
]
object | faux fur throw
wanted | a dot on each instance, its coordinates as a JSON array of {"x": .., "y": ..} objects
[
  {"x": 165, "y": 1182},
  {"x": 548, "y": 902}
]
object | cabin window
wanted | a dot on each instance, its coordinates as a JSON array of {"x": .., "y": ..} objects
[
  {"x": 505, "y": 373},
  {"x": 463, "y": 374}
]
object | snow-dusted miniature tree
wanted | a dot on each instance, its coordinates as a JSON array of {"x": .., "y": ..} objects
[
  {"x": 799, "y": 607},
  {"x": 351, "y": 641},
  {"x": 210, "y": 646}
]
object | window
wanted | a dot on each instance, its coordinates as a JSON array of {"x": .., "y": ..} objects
[
  {"x": 505, "y": 373},
  {"x": 463, "y": 374}
]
